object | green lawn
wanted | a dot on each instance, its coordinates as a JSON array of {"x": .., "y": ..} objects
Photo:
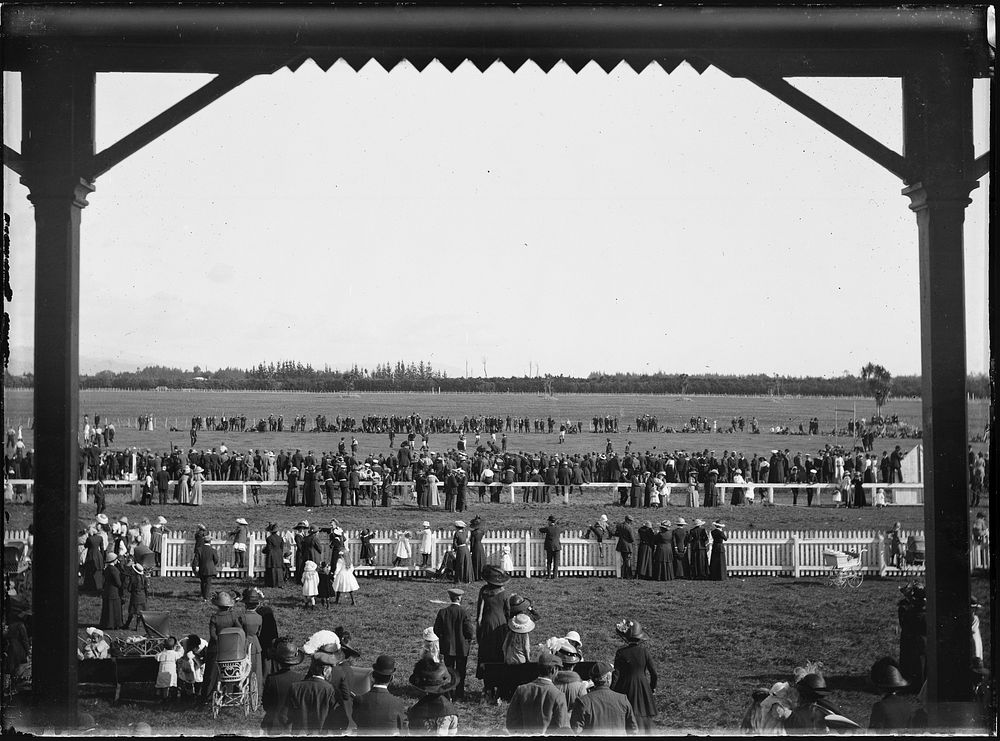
[{"x": 712, "y": 642}]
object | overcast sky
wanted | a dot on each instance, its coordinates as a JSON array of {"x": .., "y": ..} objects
[{"x": 615, "y": 222}]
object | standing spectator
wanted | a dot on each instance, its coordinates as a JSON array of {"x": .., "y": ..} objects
[
  {"x": 273, "y": 557},
  {"x": 310, "y": 584},
  {"x": 197, "y": 479},
  {"x": 162, "y": 484},
  {"x": 241, "y": 538},
  {"x": 912, "y": 614},
  {"x": 626, "y": 540},
  {"x": 553, "y": 546},
  {"x": 632, "y": 665},
  {"x": 311, "y": 705},
  {"x": 222, "y": 618},
  {"x": 112, "y": 595},
  {"x": 539, "y": 707},
  {"x": 644, "y": 557},
  {"x": 205, "y": 566},
  {"x": 600, "y": 530},
  {"x": 697, "y": 542},
  {"x": 517, "y": 642},
  {"x": 403, "y": 549},
  {"x": 455, "y": 630},
  {"x": 433, "y": 714},
  {"x": 344, "y": 581},
  {"x": 602, "y": 711},
  {"x": 663, "y": 554},
  {"x": 678, "y": 539},
  {"x": 463, "y": 559},
  {"x": 426, "y": 544},
  {"x": 717, "y": 570},
  {"x": 492, "y": 611},
  {"x": 894, "y": 540},
  {"x": 477, "y": 552},
  {"x": 277, "y": 685},
  {"x": 166, "y": 673},
  {"x": 138, "y": 591},
  {"x": 378, "y": 712}
]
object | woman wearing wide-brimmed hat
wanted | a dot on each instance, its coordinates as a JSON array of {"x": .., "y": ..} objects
[
  {"x": 893, "y": 712},
  {"x": 663, "y": 553},
  {"x": 517, "y": 642},
  {"x": 697, "y": 543},
  {"x": 717, "y": 570},
  {"x": 492, "y": 614},
  {"x": 632, "y": 665},
  {"x": 112, "y": 594},
  {"x": 433, "y": 714},
  {"x": 222, "y": 618},
  {"x": 463, "y": 558}
]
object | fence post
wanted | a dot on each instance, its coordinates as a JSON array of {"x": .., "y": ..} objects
[
  {"x": 880, "y": 544},
  {"x": 244, "y": 492},
  {"x": 566, "y": 494},
  {"x": 83, "y": 492},
  {"x": 512, "y": 493},
  {"x": 795, "y": 554},
  {"x": 527, "y": 554},
  {"x": 770, "y": 494},
  {"x": 251, "y": 547}
]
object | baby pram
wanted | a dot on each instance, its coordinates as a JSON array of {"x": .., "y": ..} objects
[
  {"x": 237, "y": 683},
  {"x": 845, "y": 567}
]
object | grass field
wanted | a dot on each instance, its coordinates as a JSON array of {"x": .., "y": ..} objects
[
  {"x": 674, "y": 411},
  {"x": 712, "y": 642}
]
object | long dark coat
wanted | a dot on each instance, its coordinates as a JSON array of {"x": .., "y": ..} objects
[
  {"x": 111, "y": 602},
  {"x": 682, "y": 563},
  {"x": 644, "y": 558},
  {"x": 93, "y": 564},
  {"x": 492, "y": 613},
  {"x": 274, "y": 566},
  {"x": 478, "y": 552},
  {"x": 717, "y": 568},
  {"x": 463, "y": 560},
  {"x": 697, "y": 541},
  {"x": 632, "y": 665},
  {"x": 663, "y": 556}
]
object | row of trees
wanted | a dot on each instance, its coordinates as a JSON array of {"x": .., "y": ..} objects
[{"x": 874, "y": 382}]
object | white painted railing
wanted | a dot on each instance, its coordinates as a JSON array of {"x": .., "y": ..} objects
[{"x": 748, "y": 553}]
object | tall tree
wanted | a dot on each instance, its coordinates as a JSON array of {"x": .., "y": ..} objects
[{"x": 879, "y": 382}]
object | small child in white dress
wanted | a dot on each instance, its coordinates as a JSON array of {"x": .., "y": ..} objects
[
  {"x": 310, "y": 584},
  {"x": 344, "y": 581},
  {"x": 166, "y": 675},
  {"x": 403, "y": 550},
  {"x": 506, "y": 562}
]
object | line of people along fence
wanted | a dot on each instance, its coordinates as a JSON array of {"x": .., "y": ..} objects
[
  {"x": 905, "y": 494},
  {"x": 748, "y": 553}
]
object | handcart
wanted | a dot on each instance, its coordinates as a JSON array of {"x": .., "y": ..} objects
[
  {"x": 237, "y": 683},
  {"x": 845, "y": 567}
]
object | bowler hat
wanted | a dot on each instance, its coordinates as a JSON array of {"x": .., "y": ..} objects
[
  {"x": 384, "y": 666},
  {"x": 495, "y": 575}
]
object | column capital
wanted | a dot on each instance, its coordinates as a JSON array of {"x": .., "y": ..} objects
[
  {"x": 58, "y": 187},
  {"x": 926, "y": 192}
]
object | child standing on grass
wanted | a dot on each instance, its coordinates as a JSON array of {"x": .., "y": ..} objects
[
  {"x": 166, "y": 675},
  {"x": 344, "y": 581},
  {"x": 310, "y": 584},
  {"x": 402, "y": 549},
  {"x": 191, "y": 665},
  {"x": 367, "y": 549},
  {"x": 325, "y": 585}
]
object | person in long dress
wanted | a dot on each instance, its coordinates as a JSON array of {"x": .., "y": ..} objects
[
  {"x": 663, "y": 554},
  {"x": 272, "y": 466},
  {"x": 678, "y": 539},
  {"x": 433, "y": 496},
  {"x": 478, "y": 552},
  {"x": 697, "y": 542},
  {"x": 463, "y": 559},
  {"x": 196, "y": 481},
  {"x": 111, "y": 597},
  {"x": 635, "y": 675},
  {"x": 184, "y": 486},
  {"x": 492, "y": 614},
  {"x": 644, "y": 556},
  {"x": 274, "y": 548},
  {"x": 717, "y": 566}
]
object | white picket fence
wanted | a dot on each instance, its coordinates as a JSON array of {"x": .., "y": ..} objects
[{"x": 748, "y": 553}]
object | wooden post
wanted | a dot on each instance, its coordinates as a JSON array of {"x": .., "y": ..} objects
[
  {"x": 937, "y": 134},
  {"x": 57, "y": 143},
  {"x": 880, "y": 545},
  {"x": 795, "y": 555},
  {"x": 251, "y": 547},
  {"x": 527, "y": 554},
  {"x": 244, "y": 492}
]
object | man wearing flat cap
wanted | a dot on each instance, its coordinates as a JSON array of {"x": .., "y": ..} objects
[
  {"x": 539, "y": 706},
  {"x": 455, "y": 630},
  {"x": 377, "y": 712},
  {"x": 602, "y": 711}
]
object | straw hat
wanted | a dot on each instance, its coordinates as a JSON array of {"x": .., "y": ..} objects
[
  {"x": 241, "y": 521},
  {"x": 681, "y": 522},
  {"x": 460, "y": 523},
  {"x": 521, "y": 623},
  {"x": 223, "y": 599},
  {"x": 429, "y": 634},
  {"x": 699, "y": 522},
  {"x": 161, "y": 520},
  {"x": 102, "y": 519}
]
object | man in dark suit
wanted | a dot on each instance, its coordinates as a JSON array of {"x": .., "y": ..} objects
[
  {"x": 162, "y": 483},
  {"x": 455, "y": 630},
  {"x": 538, "y": 707},
  {"x": 278, "y": 683},
  {"x": 204, "y": 565},
  {"x": 602, "y": 711},
  {"x": 552, "y": 547},
  {"x": 319, "y": 702},
  {"x": 378, "y": 713},
  {"x": 626, "y": 535}
]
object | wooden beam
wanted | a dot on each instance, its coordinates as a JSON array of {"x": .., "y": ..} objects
[
  {"x": 839, "y": 127},
  {"x": 980, "y": 165},
  {"x": 161, "y": 124},
  {"x": 13, "y": 160}
]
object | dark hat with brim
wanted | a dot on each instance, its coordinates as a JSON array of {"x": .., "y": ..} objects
[
  {"x": 885, "y": 675},
  {"x": 495, "y": 575},
  {"x": 630, "y": 630},
  {"x": 433, "y": 678},
  {"x": 287, "y": 653}
]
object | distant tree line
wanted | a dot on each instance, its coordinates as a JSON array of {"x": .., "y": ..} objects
[{"x": 400, "y": 376}]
